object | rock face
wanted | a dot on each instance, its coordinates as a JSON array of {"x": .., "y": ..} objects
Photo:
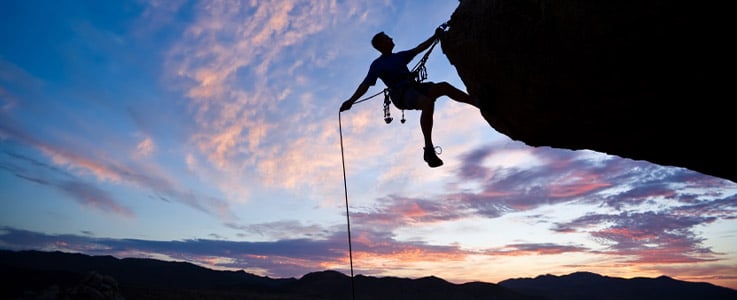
[{"x": 641, "y": 79}]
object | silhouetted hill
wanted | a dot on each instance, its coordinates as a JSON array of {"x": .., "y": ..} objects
[
  {"x": 154, "y": 279},
  {"x": 333, "y": 285},
  {"x": 55, "y": 275},
  {"x": 584, "y": 286},
  {"x": 34, "y": 270}
]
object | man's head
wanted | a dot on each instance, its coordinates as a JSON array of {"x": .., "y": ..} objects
[{"x": 383, "y": 43}]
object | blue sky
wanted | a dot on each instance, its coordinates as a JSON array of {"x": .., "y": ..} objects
[{"x": 207, "y": 131}]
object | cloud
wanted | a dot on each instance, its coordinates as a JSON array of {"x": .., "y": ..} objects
[
  {"x": 725, "y": 208},
  {"x": 77, "y": 165},
  {"x": 534, "y": 249},
  {"x": 560, "y": 176},
  {"x": 247, "y": 70},
  {"x": 279, "y": 230},
  {"x": 551, "y": 177},
  {"x": 232, "y": 42},
  {"x": 394, "y": 212},
  {"x": 659, "y": 212},
  {"x": 280, "y": 258},
  {"x": 83, "y": 193},
  {"x": 657, "y": 208},
  {"x": 91, "y": 196},
  {"x": 647, "y": 237},
  {"x": 145, "y": 148}
]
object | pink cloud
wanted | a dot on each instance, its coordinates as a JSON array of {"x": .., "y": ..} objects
[
  {"x": 396, "y": 212},
  {"x": 105, "y": 169},
  {"x": 577, "y": 184},
  {"x": 646, "y": 238}
]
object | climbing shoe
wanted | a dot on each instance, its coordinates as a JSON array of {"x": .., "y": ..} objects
[{"x": 432, "y": 158}]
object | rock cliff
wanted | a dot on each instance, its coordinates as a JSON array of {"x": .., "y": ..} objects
[{"x": 641, "y": 79}]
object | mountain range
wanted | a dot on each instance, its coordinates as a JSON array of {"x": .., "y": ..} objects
[{"x": 59, "y": 275}]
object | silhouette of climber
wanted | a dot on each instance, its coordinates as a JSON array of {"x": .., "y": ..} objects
[{"x": 404, "y": 91}]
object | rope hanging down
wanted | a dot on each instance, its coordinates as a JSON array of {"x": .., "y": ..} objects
[{"x": 347, "y": 215}]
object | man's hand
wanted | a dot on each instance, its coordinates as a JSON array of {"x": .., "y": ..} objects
[
  {"x": 439, "y": 32},
  {"x": 346, "y": 105}
]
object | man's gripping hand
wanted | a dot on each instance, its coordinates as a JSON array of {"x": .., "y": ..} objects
[
  {"x": 346, "y": 105},
  {"x": 439, "y": 32}
]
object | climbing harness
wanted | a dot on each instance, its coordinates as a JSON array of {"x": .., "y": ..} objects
[{"x": 419, "y": 74}]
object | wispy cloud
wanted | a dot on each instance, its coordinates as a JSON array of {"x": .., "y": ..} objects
[
  {"x": 83, "y": 193},
  {"x": 647, "y": 237},
  {"x": 78, "y": 165},
  {"x": 94, "y": 197},
  {"x": 535, "y": 249},
  {"x": 228, "y": 49},
  {"x": 279, "y": 230},
  {"x": 255, "y": 111},
  {"x": 395, "y": 212}
]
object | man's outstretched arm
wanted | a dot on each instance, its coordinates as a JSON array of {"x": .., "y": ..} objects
[
  {"x": 362, "y": 89},
  {"x": 427, "y": 43}
]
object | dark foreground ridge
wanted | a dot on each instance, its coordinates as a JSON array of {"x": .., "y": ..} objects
[{"x": 58, "y": 275}]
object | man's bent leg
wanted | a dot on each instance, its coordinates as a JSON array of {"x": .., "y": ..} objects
[{"x": 446, "y": 89}]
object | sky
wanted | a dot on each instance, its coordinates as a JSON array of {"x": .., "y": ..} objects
[{"x": 208, "y": 132}]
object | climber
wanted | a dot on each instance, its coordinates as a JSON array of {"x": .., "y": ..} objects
[{"x": 405, "y": 92}]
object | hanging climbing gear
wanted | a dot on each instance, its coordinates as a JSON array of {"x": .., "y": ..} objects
[{"x": 387, "y": 113}]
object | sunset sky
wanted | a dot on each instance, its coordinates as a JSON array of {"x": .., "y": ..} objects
[{"x": 207, "y": 132}]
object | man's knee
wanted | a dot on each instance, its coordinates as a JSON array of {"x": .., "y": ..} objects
[
  {"x": 442, "y": 88},
  {"x": 444, "y": 85}
]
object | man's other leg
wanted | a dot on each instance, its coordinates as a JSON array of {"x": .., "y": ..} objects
[{"x": 427, "y": 106}]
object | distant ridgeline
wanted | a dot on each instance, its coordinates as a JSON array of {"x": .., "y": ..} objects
[{"x": 56, "y": 275}]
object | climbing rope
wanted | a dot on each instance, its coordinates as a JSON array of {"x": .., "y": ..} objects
[
  {"x": 347, "y": 214},
  {"x": 387, "y": 118}
]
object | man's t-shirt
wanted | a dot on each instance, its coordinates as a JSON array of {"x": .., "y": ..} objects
[{"x": 392, "y": 69}]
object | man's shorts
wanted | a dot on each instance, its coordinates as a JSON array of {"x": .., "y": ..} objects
[{"x": 408, "y": 97}]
